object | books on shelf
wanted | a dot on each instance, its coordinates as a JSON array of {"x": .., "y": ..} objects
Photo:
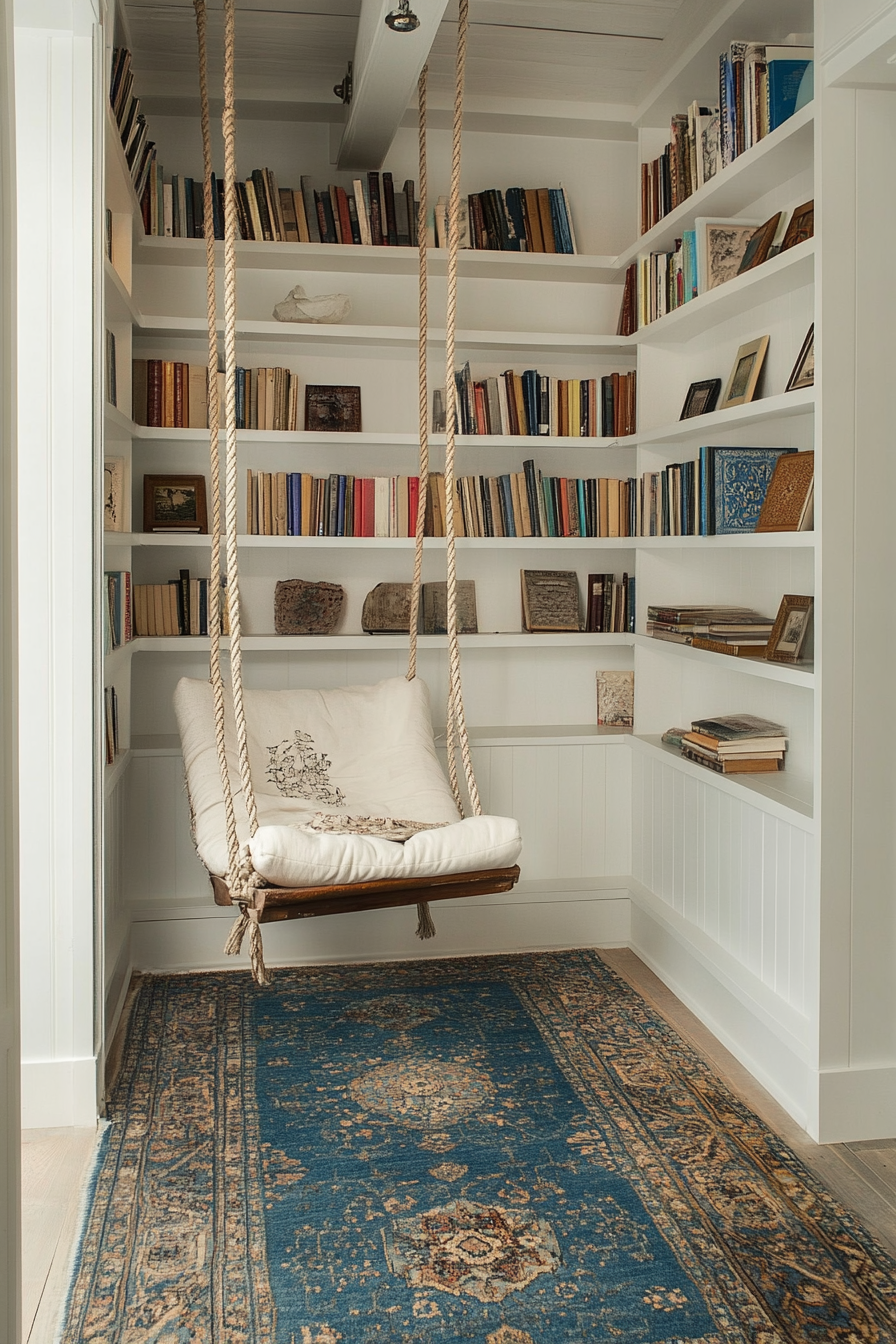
[
  {"x": 110, "y": 707},
  {"x": 516, "y": 504},
  {"x": 736, "y": 744},
  {"x": 168, "y": 394},
  {"x": 534, "y": 403},
  {"x": 722, "y": 493},
  {"x": 111, "y": 381},
  {"x": 610, "y": 604},
  {"x": 139, "y": 150},
  {"x": 178, "y": 607},
  {"x": 739, "y": 631},
  {"x": 759, "y": 88},
  {"x": 519, "y": 219},
  {"x": 117, "y": 610}
]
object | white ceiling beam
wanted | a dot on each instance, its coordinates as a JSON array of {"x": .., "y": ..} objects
[{"x": 386, "y": 69}]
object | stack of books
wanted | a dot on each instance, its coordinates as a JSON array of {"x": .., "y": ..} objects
[
  {"x": 740, "y": 632},
  {"x": 736, "y": 744}
]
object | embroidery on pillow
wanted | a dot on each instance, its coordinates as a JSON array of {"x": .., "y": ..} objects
[
  {"x": 298, "y": 771},
  {"x": 384, "y": 828}
]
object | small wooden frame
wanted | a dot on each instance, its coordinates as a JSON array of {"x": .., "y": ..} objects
[
  {"x": 801, "y": 226},
  {"x": 332, "y": 410},
  {"x": 744, "y": 376},
  {"x": 701, "y": 398},
  {"x": 803, "y": 374},
  {"x": 174, "y": 504},
  {"x": 281, "y": 903},
  {"x": 791, "y": 626},
  {"x": 760, "y": 244}
]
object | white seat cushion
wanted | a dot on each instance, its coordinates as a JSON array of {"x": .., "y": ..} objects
[{"x": 356, "y": 751}]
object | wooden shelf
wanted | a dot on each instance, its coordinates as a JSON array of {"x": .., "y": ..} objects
[
  {"x": 364, "y": 643},
  {"x": 765, "y": 167},
  {"x": 382, "y": 260},
  {"x": 784, "y": 405},
  {"x": 800, "y": 674},
  {"x": 773, "y": 280},
  {"x": 780, "y": 794}
]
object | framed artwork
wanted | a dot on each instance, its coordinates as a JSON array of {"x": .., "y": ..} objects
[
  {"x": 701, "y": 398},
  {"x": 760, "y": 244},
  {"x": 174, "y": 504},
  {"x": 803, "y": 374},
  {"x": 332, "y": 410},
  {"x": 790, "y": 629},
  {"x": 801, "y": 226},
  {"x": 721, "y": 244},
  {"x": 113, "y": 495},
  {"x": 744, "y": 376}
]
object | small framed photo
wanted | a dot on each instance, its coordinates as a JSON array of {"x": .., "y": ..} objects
[
  {"x": 759, "y": 245},
  {"x": 701, "y": 398},
  {"x": 174, "y": 504},
  {"x": 801, "y": 226},
  {"x": 332, "y": 410},
  {"x": 791, "y": 627},
  {"x": 744, "y": 377},
  {"x": 803, "y": 374},
  {"x": 114, "y": 494}
]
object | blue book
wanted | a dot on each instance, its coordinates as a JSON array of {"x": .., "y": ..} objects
[
  {"x": 738, "y": 479},
  {"x": 340, "y": 507},
  {"x": 513, "y": 205},
  {"x": 786, "y": 68},
  {"x": 689, "y": 264},
  {"x": 550, "y": 514},
  {"x": 562, "y": 235},
  {"x": 583, "y": 511}
]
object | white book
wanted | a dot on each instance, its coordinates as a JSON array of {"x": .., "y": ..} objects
[
  {"x": 167, "y": 210},
  {"x": 381, "y": 494},
  {"x": 361, "y": 207}
]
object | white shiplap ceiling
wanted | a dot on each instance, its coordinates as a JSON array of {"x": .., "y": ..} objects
[{"x": 587, "y": 55}]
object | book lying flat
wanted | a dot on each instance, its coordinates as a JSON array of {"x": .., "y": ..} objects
[
  {"x": 747, "y": 767},
  {"x": 731, "y": 727}
]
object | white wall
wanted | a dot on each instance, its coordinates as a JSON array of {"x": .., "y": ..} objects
[{"x": 54, "y": 56}]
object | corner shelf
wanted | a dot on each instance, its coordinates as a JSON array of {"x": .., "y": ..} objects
[
  {"x": 772, "y": 280},
  {"x": 784, "y": 405},
  {"x": 783, "y": 796},
  {"x": 749, "y": 541},
  {"x": 800, "y": 674},
  {"x": 764, "y": 167}
]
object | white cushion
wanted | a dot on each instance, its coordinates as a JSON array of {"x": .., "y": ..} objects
[{"x": 359, "y": 750}]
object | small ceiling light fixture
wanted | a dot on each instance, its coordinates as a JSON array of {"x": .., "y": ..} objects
[{"x": 403, "y": 19}]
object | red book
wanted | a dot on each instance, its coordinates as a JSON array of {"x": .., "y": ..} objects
[
  {"x": 368, "y": 506},
  {"x": 154, "y": 393},
  {"x": 514, "y": 426},
  {"x": 345, "y": 223},
  {"x": 413, "y": 504},
  {"x": 564, "y": 508},
  {"x": 481, "y": 408}
]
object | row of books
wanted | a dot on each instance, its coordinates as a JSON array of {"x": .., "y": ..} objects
[
  {"x": 139, "y": 150},
  {"x": 520, "y": 219},
  {"x": 534, "y": 403},
  {"x": 515, "y": 504},
  {"x": 178, "y": 607},
  {"x": 610, "y": 604},
  {"x": 759, "y": 88},
  {"x": 372, "y": 212},
  {"x": 172, "y": 395},
  {"x": 117, "y": 613},
  {"x": 729, "y": 491},
  {"x": 733, "y": 744}
]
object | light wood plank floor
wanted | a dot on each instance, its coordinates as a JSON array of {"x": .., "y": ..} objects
[{"x": 55, "y": 1164}]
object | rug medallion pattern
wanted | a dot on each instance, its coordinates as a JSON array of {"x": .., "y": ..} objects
[{"x": 507, "y": 1150}]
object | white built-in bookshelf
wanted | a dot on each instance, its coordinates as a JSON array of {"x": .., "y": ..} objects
[{"x": 719, "y": 883}]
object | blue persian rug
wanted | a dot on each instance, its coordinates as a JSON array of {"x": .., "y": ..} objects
[{"x": 507, "y": 1150}]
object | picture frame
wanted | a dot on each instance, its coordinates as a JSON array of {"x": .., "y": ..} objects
[
  {"x": 701, "y": 398},
  {"x": 174, "y": 504},
  {"x": 332, "y": 409},
  {"x": 744, "y": 376},
  {"x": 788, "y": 636},
  {"x": 760, "y": 243},
  {"x": 803, "y": 372},
  {"x": 114, "y": 495},
  {"x": 800, "y": 227},
  {"x": 721, "y": 244}
]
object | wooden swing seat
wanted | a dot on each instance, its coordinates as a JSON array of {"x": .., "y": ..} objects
[{"x": 282, "y": 903}]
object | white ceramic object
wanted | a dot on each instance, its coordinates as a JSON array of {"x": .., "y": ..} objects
[{"x": 301, "y": 307}]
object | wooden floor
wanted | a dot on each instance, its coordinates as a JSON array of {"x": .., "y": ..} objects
[{"x": 55, "y": 1164}]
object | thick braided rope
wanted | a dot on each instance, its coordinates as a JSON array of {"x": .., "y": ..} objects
[
  {"x": 214, "y": 620},
  {"x": 233, "y": 579},
  {"x": 456, "y": 714},
  {"x": 422, "y": 382}
]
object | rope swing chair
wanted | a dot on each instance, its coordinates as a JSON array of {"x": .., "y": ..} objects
[{"x": 317, "y": 802}]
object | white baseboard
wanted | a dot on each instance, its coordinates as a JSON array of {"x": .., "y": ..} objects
[
  {"x": 59, "y": 1092},
  {"x": 730, "y": 1002},
  {"x": 857, "y": 1104},
  {"x": 464, "y": 928}
]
